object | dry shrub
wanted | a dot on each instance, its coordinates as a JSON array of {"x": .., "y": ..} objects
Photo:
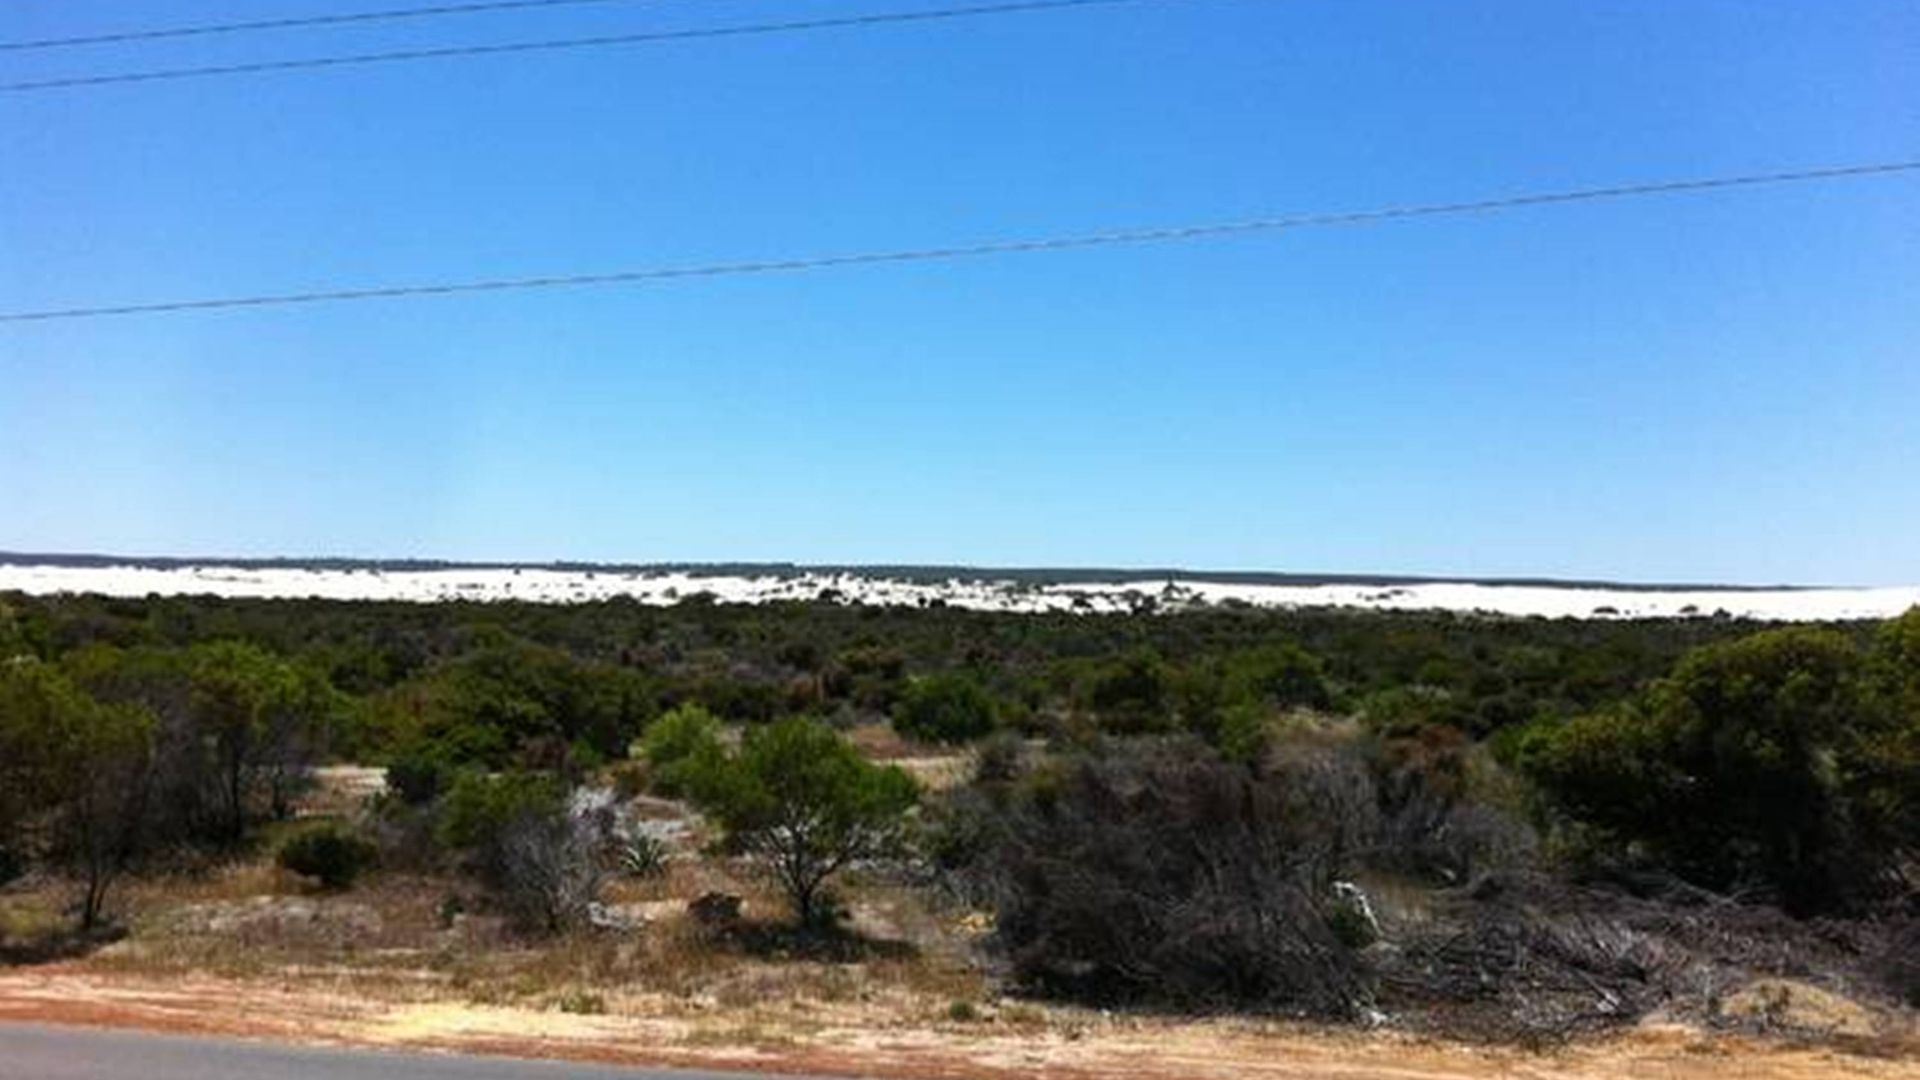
[
  {"x": 1163, "y": 874},
  {"x": 1155, "y": 871},
  {"x": 1536, "y": 959},
  {"x": 1900, "y": 959},
  {"x": 1522, "y": 962}
]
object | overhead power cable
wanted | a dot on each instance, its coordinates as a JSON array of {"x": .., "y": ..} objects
[
  {"x": 1001, "y": 247},
  {"x": 293, "y": 23},
  {"x": 878, "y": 18}
]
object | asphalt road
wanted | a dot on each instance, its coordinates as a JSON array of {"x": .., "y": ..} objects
[{"x": 37, "y": 1052}]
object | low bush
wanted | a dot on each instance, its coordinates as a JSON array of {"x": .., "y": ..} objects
[
  {"x": 542, "y": 854},
  {"x": 330, "y": 854},
  {"x": 945, "y": 708},
  {"x": 1900, "y": 963},
  {"x": 416, "y": 779},
  {"x": 642, "y": 855},
  {"x": 1161, "y": 873},
  {"x": 682, "y": 742},
  {"x": 1751, "y": 765}
]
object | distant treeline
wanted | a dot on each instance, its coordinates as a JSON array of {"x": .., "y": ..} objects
[{"x": 1044, "y": 673}]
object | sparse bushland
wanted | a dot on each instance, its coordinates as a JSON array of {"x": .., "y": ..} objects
[{"x": 1503, "y": 827}]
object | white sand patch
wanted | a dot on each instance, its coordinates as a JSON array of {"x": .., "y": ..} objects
[{"x": 668, "y": 587}]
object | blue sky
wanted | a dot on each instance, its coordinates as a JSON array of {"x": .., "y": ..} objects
[{"x": 1721, "y": 387}]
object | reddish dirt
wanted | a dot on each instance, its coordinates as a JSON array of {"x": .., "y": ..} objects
[{"x": 1146, "y": 1050}]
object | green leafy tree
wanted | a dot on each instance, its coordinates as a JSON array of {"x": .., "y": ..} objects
[
  {"x": 1882, "y": 774},
  {"x": 511, "y": 703},
  {"x": 946, "y": 708},
  {"x": 805, "y": 802},
  {"x": 1731, "y": 769},
  {"x": 263, "y": 719},
  {"x": 1896, "y": 663},
  {"x": 77, "y": 770}
]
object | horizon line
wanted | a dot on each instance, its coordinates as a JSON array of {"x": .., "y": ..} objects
[{"x": 1045, "y": 574}]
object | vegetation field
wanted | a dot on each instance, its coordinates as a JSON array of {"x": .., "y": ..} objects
[{"x": 773, "y": 834}]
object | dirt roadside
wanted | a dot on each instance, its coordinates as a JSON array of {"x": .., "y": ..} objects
[{"x": 1146, "y": 1049}]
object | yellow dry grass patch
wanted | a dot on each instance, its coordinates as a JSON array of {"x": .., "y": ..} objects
[{"x": 1787, "y": 1004}]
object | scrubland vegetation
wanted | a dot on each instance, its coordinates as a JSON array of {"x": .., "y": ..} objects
[{"x": 1483, "y": 826}]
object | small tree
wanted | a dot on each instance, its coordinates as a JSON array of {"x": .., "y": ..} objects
[
  {"x": 945, "y": 708},
  {"x": 264, "y": 719},
  {"x": 1733, "y": 769},
  {"x": 1881, "y": 774},
  {"x": 802, "y": 799},
  {"x": 79, "y": 770}
]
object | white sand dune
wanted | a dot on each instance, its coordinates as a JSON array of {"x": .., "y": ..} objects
[{"x": 667, "y": 587}]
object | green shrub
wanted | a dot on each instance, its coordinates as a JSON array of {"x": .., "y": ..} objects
[
  {"x": 945, "y": 708},
  {"x": 1351, "y": 923},
  {"x": 1245, "y": 729},
  {"x": 643, "y": 856},
  {"x": 417, "y": 779},
  {"x": 581, "y": 1003},
  {"x": 479, "y": 807},
  {"x": 330, "y": 854},
  {"x": 541, "y": 854},
  {"x": 1284, "y": 676},
  {"x": 681, "y": 744},
  {"x": 1734, "y": 769},
  {"x": 1132, "y": 695}
]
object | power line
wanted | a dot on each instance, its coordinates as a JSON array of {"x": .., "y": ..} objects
[
  {"x": 1011, "y": 7},
  {"x": 294, "y": 23},
  {"x": 1003, "y": 247}
]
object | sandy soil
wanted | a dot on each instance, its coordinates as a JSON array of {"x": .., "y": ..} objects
[
  {"x": 660, "y": 586},
  {"x": 835, "y": 1043}
]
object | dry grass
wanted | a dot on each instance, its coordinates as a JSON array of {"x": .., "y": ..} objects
[
  {"x": 248, "y": 948},
  {"x": 30, "y": 915},
  {"x": 391, "y": 940}
]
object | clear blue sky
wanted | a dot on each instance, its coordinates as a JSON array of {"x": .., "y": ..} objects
[{"x": 1717, "y": 388}]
